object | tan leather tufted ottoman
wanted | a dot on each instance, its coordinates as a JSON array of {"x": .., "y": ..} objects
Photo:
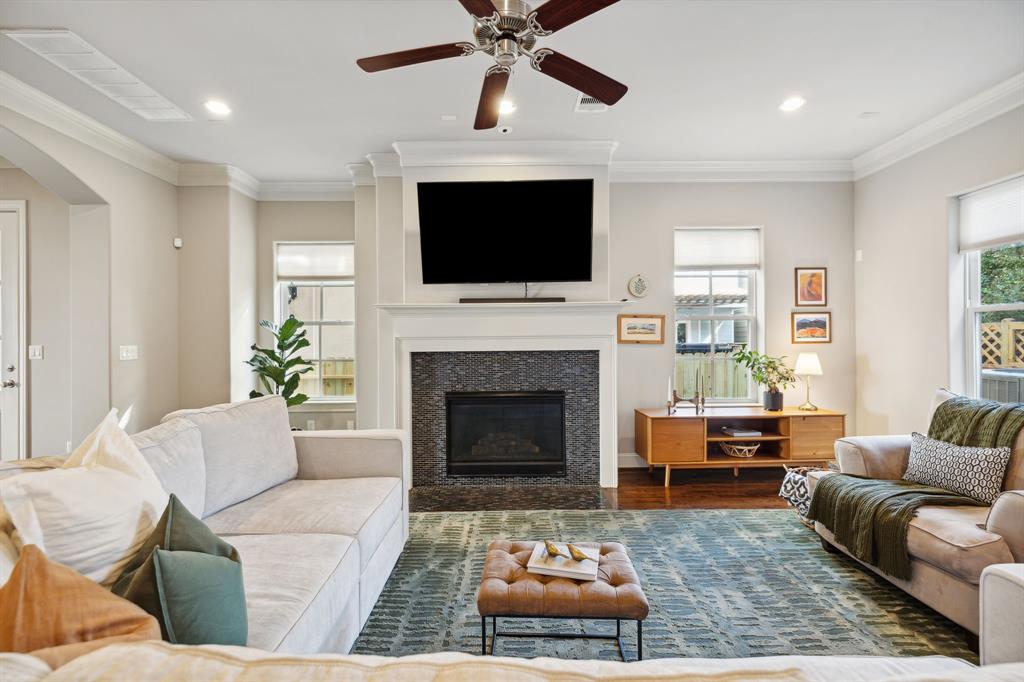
[{"x": 507, "y": 590}]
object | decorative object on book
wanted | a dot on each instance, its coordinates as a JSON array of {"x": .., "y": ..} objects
[
  {"x": 770, "y": 372},
  {"x": 578, "y": 554},
  {"x": 972, "y": 471},
  {"x": 641, "y": 328},
  {"x": 638, "y": 286},
  {"x": 811, "y": 327},
  {"x": 808, "y": 365},
  {"x": 560, "y": 564},
  {"x": 279, "y": 368},
  {"x": 506, "y": 32},
  {"x": 740, "y": 450},
  {"x": 811, "y": 286}
]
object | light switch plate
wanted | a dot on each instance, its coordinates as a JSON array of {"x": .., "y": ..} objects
[
  {"x": 35, "y": 352},
  {"x": 128, "y": 353},
  {"x": 311, "y": 425}
]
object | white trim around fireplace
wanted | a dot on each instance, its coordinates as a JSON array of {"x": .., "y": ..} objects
[{"x": 412, "y": 328}]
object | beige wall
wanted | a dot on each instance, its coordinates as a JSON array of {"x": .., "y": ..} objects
[
  {"x": 909, "y": 314},
  {"x": 48, "y": 254},
  {"x": 204, "y": 330},
  {"x": 243, "y": 294},
  {"x": 303, "y": 221},
  {"x": 143, "y": 269},
  {"x": 365, "y": 215},
  {"x": 804, "y": 224}
]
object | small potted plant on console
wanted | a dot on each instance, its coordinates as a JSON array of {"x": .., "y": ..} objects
[{"x": 769, "y": 372}]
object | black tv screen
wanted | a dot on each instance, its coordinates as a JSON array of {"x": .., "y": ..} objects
[{"x": 517, "y": 231}]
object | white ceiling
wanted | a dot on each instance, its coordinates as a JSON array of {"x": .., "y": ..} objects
[{"x": 705, "y": 77}]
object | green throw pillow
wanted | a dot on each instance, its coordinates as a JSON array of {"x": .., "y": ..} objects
[{"x": 189, "y": 580}]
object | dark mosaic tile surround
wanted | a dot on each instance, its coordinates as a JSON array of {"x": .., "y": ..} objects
[{"x": 575, "y": 372}]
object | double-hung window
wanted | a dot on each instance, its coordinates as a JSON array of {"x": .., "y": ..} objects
[
  {"x": 717, "y": 273},
  {"x": 992, "y": 241},
  {"x": 316, "y": 284}
]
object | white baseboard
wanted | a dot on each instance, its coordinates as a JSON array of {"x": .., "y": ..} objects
[{"x": 631, "y": 460}]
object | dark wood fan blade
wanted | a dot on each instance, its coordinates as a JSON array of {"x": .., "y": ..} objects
[
  {"x": 406, "y": 57},
  {"x": 580, "y": 76},
  {"x": 478, "y": 8},
  {"x": 554, "y": 15},
  {"x": 489, "y": 107}
]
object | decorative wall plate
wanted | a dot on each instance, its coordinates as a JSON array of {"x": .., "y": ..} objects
[{"x": 638, "y": 286}]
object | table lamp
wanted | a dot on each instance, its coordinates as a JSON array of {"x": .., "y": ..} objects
[{"x": 808, "y": 365}]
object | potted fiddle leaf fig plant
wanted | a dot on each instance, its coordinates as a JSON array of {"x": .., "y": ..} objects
[
  {"x": 280, "y": 367},
  {"x": 769, "y": 372}
]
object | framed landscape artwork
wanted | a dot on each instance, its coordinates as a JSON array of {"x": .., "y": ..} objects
[
  {"x": 811, "y": 286},
  {"x": 641, "y": 329},
  {"x": 812, "y": 327}
]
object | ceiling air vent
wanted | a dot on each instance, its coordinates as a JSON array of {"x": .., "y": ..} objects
[
  {"x": 585, "y": 104},
  {"x": 83, "y": 61}
]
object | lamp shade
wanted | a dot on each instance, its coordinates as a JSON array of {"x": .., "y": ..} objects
[{"x": 808, "y": 364}]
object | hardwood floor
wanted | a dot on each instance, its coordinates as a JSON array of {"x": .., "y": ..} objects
[{"x": 638, "y": 489}]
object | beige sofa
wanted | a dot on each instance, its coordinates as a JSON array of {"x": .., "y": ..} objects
[
  {"x": 319, "y": 518},
  {"x": 949, "y": 546}
]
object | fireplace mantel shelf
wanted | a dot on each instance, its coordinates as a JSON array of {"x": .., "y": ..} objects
[{"x": 415, "y": 309}]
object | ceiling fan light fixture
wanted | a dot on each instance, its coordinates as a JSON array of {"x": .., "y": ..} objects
[
  {"x": 217, "y": 107},
  {"x": 507, "y": 106},
  {"x": 792, "y": 103}
]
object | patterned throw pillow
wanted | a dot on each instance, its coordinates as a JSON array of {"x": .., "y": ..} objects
[{"x": 970, "y": 471}]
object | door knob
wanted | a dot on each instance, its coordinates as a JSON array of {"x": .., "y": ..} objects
[{"x": 8, "y": 383}]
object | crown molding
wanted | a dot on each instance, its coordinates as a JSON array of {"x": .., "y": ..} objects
[
  {"x": 23, "y": 99},
  {"x": 362, "y": 174},
  {"x": 731, "y": 171},
  {"x": 977, "y": 110},
  {"x": 218, "y": 175},
  {"x": 385, "y": 165},
  {"x": 506, "y": 153},
  {"x": 314, "y": 190}
]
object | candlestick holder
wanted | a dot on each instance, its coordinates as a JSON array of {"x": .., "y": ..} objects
[{"x": 697, "y": 401}]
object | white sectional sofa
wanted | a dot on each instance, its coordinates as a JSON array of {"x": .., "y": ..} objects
[{"x": 319, "y": 518}]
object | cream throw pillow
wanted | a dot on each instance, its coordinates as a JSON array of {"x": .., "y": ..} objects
[{"x": 94, "y": 513}]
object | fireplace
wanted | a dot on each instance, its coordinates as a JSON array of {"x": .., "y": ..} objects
[{"x": 492, "y": 433}]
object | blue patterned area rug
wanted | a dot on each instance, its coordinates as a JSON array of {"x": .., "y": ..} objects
[{"x": 721, "y": 583}]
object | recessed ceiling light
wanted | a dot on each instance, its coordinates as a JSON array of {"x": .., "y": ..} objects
[
  {"x": 217, "y": 108},
  {"x": 793, "y": 103},
  {"x": 507, "y": 106}
]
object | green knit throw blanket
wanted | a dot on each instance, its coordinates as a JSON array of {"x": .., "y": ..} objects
[
  {"x": 977, "y": 423},
  {"x": 871, "y": 517}
]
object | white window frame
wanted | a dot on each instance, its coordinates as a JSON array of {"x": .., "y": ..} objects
[
  {"x": 281, "y": 307},
  {"x": 756, "y": 299},
  {"x": 972, "y": 329}
]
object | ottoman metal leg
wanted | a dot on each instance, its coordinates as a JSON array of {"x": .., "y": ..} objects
[
  {"x": 639, "y": 640},
  {"x": 483, "y": 635}
]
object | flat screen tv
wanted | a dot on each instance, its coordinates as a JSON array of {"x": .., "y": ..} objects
[{"x": 516, "y": 231}]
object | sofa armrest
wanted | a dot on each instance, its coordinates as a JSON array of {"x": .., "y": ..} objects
[
  {"x": 882, "y": 457},
  {"x": 353, "y": 454},
  {"x": 1006, "y": 518},
  {"x": 1002, "y": 614}
]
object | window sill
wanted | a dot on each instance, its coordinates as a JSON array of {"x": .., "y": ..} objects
[{"x": 323, "y": 404}]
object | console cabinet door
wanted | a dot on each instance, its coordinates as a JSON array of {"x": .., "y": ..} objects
[
  {"x": 677, "y": 440},
  {"x": 814, "y": 437}
]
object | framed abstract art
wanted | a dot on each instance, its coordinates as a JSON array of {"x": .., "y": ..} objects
[{"x": 811, "y": 286}]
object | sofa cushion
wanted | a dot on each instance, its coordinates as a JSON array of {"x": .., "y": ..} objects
[
  {"x": 949, "y": 538},
  {"x": 175, "y": 451},
  {"x": 976, "y": 472},
  {"x": 363, "y": 508},
  {"x": 247, "y": 446},
  {"x": 285, "y": 597}
]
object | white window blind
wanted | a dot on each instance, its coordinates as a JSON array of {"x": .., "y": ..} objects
[
  {"x": 315, "y": 261},
  {"x": 992, "y": 216},
  {"x": 717, "y": 248}
]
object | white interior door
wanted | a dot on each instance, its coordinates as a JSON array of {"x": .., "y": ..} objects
[{"x": 12, "y": 330}]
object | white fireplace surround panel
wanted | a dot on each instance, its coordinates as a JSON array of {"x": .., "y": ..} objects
[{"x": 441, "y": 327}]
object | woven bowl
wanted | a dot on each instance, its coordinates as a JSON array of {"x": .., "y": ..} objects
[{"x": 740, "y": 450}]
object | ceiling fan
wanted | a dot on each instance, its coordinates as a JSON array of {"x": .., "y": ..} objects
[{"x": 508, "y": 30}]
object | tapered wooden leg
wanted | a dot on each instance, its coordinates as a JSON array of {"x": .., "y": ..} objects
[
  {"x": 668, "y": 474},
  {"x": 736, "y": 472},
  {"x": 650, "y": 468}
]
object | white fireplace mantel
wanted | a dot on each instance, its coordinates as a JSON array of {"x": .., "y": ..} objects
[{"x": 453, "y": 327}]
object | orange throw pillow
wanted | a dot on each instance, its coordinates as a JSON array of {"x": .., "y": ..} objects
[{"x": 57, "y": 614}]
